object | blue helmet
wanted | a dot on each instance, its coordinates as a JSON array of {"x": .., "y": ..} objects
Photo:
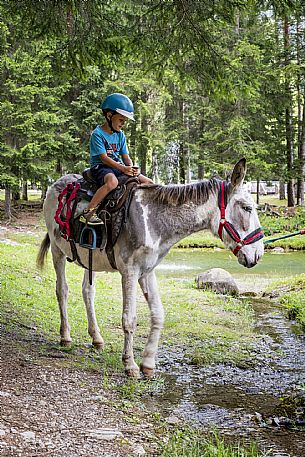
[{"x": 119, "y": 103}]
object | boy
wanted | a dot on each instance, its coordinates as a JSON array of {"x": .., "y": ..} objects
[{"x": 109, "y": 157}]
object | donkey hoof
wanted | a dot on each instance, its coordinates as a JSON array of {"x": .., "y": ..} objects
[
  {"x": 133, "y": 373},
  {"x": 66, "y": 343},
  {"x": 148, "y": 373},
  {"x": 98, "y": 346}
]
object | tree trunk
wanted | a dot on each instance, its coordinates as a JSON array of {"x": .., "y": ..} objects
[
  {"x": 288, "y": 117},
  {"x": 143, "y": 145},
  {"x": 7, "y": 204},
  {"x": 25, "y": 191},
  {"x": 282, "y": 193},
  {"x": 155, "y": 167},
  {"x": 257, "y": 191},
  {"x": 300, "y": 176},
  {"x": 15, "y": 195},
  {"x": 200, "y": 171},
  {"x": 187, "y": 147},
  {"x": 200, "y": 165},
  {"x": 182, "y": 161},
  {"x": 59, "y": 167},
  {"x": 289, "y": 145},
  {"x": 44, "y": 188},
  {"x": 132, "y": 142},
  {"x": 301, "y": 159}
]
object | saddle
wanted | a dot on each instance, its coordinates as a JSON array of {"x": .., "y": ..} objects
[
  {"x": 115, "y": 199},
  {"x": 113, "y": 211}
]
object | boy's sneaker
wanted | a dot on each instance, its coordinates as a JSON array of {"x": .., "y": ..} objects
[{"x": 90, "y": 218}]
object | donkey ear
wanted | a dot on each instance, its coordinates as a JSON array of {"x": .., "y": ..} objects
[{"x": 239, "y": 173}]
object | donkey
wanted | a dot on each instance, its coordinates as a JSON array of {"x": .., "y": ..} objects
[{"x": 159, "y": 216}]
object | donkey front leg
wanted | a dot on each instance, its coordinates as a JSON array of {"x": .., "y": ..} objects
[
  {"x": 88, "y": 296},
  {"x": 149, "y": 288},
  {"x": 129, "y": 323},
  {"x": 59, "y": 262}
]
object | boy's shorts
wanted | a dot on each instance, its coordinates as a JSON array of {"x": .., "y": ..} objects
[{"x": 100, "y": 171}]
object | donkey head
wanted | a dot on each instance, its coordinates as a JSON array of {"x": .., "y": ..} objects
[{"x": 239, "y": 227}]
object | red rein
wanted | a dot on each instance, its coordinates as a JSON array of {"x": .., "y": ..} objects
[{"x": 70, "y": 192}]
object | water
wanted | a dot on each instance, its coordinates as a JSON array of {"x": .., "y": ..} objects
[
  {"x": 241, "y": 402},
  {"x": 187, "y": 263}
]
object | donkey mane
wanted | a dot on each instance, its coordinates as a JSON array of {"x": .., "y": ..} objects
[{"x": 178, "y": 194}]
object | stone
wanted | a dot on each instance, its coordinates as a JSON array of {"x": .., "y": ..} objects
[
  {"x": 138, "y": 450},
  {"x": 28, "y": 435},
  {"x": 107, "y": 434},
  {"x": 278, "y": 249},
  {"x": 218, "y": 280},
  {"x": 172, "y": 420},
  {"x": 9, "y": 242}
]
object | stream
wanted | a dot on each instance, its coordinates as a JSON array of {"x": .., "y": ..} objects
[{"x": 241, "y": 402}]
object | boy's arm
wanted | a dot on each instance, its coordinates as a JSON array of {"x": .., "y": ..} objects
[
  {"x": 126, "y": 169},
  {"x": 127, "y": 160}
]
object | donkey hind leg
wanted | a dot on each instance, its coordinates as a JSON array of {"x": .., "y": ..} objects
[
  {"x": 59, "y": 262},
  {"x": 88, "y": 296},
  {"x": 129, "y": 323},
  {"x": 149, "y": 288}
]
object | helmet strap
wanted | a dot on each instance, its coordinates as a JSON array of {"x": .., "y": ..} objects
[{"x": 109, "y": 121}]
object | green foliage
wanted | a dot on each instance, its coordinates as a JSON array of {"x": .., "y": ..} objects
[
  {"x": 284, "y": 224},
  {"x": 192, "y": 443},
  {"x": 291, "y": 296},
  {"x": 34, "y": 125},
  {"x": 207, "y": 79},
  {"x": 81, "y": 29}
]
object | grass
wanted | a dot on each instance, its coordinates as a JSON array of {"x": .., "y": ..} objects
[
  {"x": 191, "y": 443},
  {"x": 199, "y": 240},
  {"x": 291, "y": 295},
  {"x": 33, "y": 195},
  {"x": 271, "y": 200},
  {"x": 196, "y": 318},
  {"x": 211, "y": 328}
]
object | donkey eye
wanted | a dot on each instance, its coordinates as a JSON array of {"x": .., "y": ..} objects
[{"x": 247, "y": 208}]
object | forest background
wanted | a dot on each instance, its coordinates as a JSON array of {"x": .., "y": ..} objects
[{"x": 211, "y": 82}]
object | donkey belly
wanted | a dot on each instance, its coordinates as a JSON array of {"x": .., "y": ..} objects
[{"x": 100, "y": 260}]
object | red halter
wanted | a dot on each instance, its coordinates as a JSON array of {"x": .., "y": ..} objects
[{"x": 223, "y": 223}]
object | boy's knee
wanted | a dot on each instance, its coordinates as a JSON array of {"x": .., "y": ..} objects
[{"x": 112, "y": 182}]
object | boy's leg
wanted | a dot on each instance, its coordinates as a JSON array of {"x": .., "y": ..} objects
[{"x": 110, "y": 183}]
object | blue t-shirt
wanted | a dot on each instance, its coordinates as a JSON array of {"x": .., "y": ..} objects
[{"x": 113, "y": 145}]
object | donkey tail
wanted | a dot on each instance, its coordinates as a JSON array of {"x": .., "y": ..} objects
[{"x": 44, "y": 247}]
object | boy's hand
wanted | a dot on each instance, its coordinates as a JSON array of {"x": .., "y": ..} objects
[
  {"x": 136, "y": 170},
  {"x": 128, "y": 170}
]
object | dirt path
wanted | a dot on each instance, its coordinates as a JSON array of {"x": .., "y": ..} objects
[{"x": 49, "y": 410}]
